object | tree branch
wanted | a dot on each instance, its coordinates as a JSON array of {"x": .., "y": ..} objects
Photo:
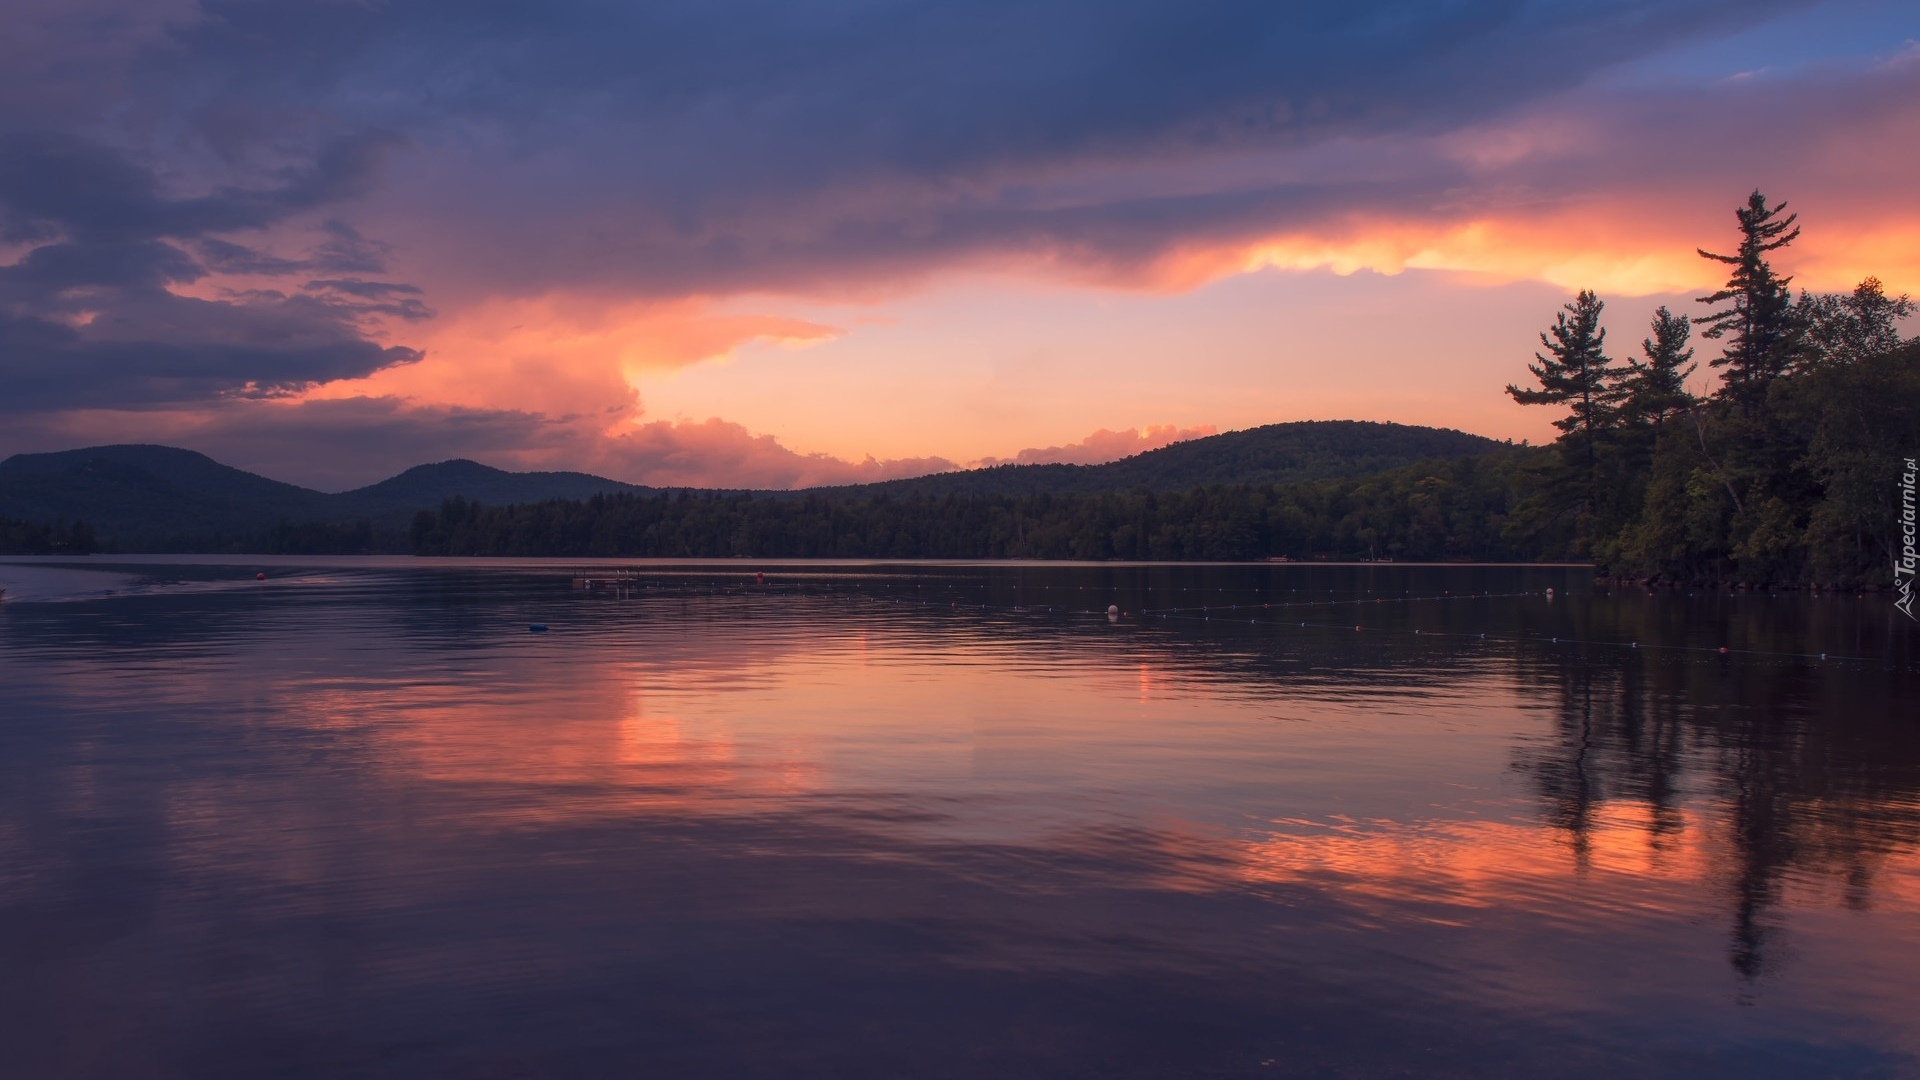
[{"x": 1701, "y": 430}]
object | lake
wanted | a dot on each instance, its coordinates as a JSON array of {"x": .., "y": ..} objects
[{"x": 952, "y": 820}]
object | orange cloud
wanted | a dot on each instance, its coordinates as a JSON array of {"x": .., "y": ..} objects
[
  {"x": 1612, "y": 191},
  {"x": 568, "y": 354},
  {"x": 718, "y": 453},
  {"x": 1104, "y": 445},
  {"x": 1610, "y": 247}
]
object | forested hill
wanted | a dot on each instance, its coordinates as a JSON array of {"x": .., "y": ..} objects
[
  {"x": 1274, "y": 454},
  {"x": 152, "y": 497},
  {"x": 160, "y": 498}
]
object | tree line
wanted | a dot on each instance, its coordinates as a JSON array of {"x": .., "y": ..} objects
[
  {"x": 1453, "y": 509},
  {"x": 38, "y": 538},
  {"x": 1783, "y": 473}
]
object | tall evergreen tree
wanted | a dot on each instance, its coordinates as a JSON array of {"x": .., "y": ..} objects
[
  {"x": 1657, "y": 389},
  {"x": 1761, "y": 324},
  {"x": 1575, "y": 372}
]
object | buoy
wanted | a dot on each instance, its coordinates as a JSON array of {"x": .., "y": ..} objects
[
  {"x": 261, "y": 576},
  {"x": 759, "y": 579},
  {"x": 1113, "y": 609},
  {"x": 537, "y": 628},
  {"x": 1723, "y": 650}
]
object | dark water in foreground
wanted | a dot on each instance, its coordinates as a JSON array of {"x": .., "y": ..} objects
[{"x": 359, "y": 821}]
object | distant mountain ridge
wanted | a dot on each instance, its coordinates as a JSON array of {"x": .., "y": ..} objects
[
  {"x": 165, "y": 498},
  {"x": 424, "y": 486},
  {"x": 1273, "y": 454}
]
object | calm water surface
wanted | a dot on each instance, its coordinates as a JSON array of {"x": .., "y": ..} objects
[{"x": 949, "y": 821}]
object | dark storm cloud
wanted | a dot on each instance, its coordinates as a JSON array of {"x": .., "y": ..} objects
[
  {"x": 89, "y": 315},
  {"x": 155, "y": 349},
  {"x": 712, "y": 145},
  {"x": 690, "y": 91},
  {"x": 55, "y": 181},
  {"x": 344, "y": 251}
]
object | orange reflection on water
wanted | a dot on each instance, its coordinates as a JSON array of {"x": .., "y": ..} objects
[{"x": 1477, "y": 864}]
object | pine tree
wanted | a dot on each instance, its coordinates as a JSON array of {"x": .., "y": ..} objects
[
  {"x": 1657, "y": 389},
  {"x": 1764, "y": 328},
  {"x": 1575, "y": 372}
]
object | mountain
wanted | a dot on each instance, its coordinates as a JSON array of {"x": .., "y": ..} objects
[
  {"x": 1274, "y": 454},
  {"x": 163, "y": 498},
  {"x": 159, "y": 498},
  {"x": 154, "y": 496},
  {"x": 424, "y": 486}
]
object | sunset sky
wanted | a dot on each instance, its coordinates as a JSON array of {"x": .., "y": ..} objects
[{"x": 775, "y": 243}]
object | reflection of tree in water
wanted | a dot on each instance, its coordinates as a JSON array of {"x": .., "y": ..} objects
[
  {"x": 1615, "y": 745},
  {"x": 1800, "y": 772}
]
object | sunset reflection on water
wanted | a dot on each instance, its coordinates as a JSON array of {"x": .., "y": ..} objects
[{"x": 848, "y": 821}]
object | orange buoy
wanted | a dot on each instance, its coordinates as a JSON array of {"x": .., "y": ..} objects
[{"x": 261, "y": 576}]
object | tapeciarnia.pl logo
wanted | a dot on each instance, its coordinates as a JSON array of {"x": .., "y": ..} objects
[{"x": 1903, "y": 563}]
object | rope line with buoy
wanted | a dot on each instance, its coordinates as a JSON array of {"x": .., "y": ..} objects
[{"x": 954, "y": 596}]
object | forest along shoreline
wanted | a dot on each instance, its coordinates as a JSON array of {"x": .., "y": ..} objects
[{"x": 1785, "y": 474}]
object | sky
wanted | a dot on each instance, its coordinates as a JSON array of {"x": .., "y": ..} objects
[{"x": 777, "y": 243}]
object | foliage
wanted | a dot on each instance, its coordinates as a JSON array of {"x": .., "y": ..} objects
[
  {"x": 1759, "y": 322},
  {"x": 1456, "y": 509},
  {"x": 1784, "y": 475},
  {"x": 1575, "y": 372},
  {"x": 33, "y": 538},
  {"x": 1653, "y": 391},
  {"x": 315, "y": 538}
]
